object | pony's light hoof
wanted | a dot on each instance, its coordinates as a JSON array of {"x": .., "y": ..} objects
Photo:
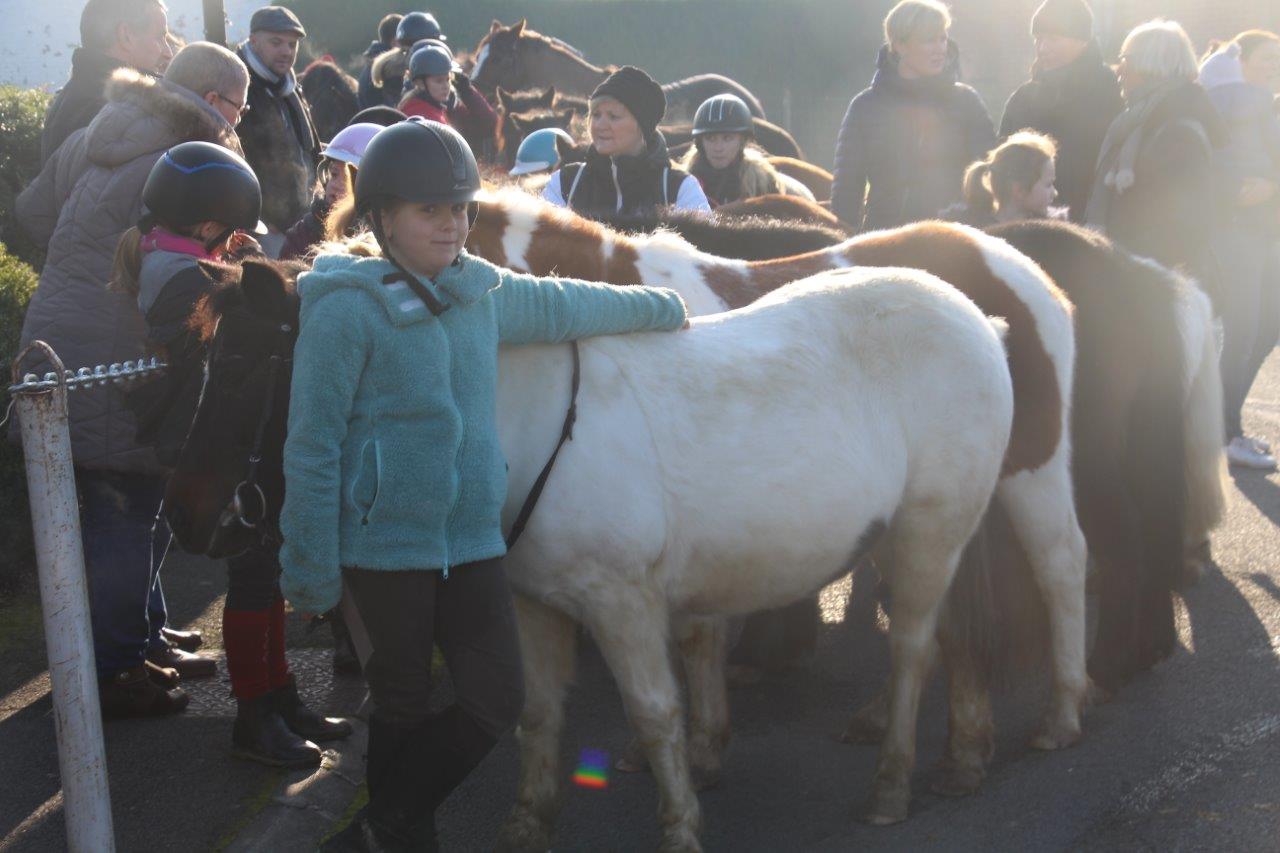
[
  {"x": 523, "y": 832},
  {"x": 680, "y": 841},
  {"x": 888, "y": 807},
  {"x": 1056, "y": 736},
  {"x": 957, "y": 780}
]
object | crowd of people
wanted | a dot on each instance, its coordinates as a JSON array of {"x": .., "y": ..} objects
[{"x": 160, "y": 158}]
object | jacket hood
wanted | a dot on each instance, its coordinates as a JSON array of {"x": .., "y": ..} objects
[
  {"x": 888, "y": 77},
  {"x": 1089, "y": 63},
  {"x": 144, "y": 116},
  {"x": 1222, "y": 68},
  {"x": 466, "y": 281}
]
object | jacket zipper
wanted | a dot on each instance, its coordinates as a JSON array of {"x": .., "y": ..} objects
[{"x": 457, "y": 497}]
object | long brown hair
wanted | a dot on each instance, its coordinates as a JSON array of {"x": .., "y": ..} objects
[{"x": 1019, "y": 160}]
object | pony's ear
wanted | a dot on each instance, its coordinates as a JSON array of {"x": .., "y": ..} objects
[
  {"x": 564, "y": 119},
  {"x": 565, "y": 149},
  {"x": 547, "y": 98},
  {"x": 264, "y": 289},
  {"x": 219, "y": 273},
  {"x": 495, "y": 26},
  {"x": 518, "y": 28}
]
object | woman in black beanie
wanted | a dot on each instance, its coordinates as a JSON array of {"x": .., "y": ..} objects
[{"x": 627, "y": 171}]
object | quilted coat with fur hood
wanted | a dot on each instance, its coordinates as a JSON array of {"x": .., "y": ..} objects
[{"x": 87, "y": 195}]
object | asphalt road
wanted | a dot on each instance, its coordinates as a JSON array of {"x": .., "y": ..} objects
[{"x": 1185, "y": 758}]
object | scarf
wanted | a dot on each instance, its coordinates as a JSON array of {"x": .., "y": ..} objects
[
  {"x": 1121, "y": 147},
  {"x": 160, "y": 240},
  {"x": 279, "y": 87}
]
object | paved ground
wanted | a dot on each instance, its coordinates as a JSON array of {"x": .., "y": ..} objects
[{"x": 1186, "y": 758}]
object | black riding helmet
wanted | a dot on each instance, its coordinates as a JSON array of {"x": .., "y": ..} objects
[
  {"x": 201, "y": 182},
  {"x": 421, "y": 162},
  {"x": 416, "y": 26},
  {"x": 723, "y": 114},
  {"x": 431, "y": 60}
]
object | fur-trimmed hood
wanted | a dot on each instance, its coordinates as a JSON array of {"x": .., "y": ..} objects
[{"x": 144, "y": 115}]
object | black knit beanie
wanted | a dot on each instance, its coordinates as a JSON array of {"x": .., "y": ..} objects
[
  {"x": 639, "y": 93},
  {"x": 1070, "y": 18}
]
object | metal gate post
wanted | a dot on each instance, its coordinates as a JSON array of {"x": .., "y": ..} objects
[{"x": 64, "y": 599}]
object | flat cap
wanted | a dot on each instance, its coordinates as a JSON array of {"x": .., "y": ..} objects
[{"x": 276, "y": 19}]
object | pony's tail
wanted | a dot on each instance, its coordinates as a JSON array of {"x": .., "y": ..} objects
[
  {"x": 970, "y": 624},
  {"x": 977, "y": 188},
  {"x": 1205, "y": 463},
  {"x": 1156, "y": 477},
  {"x": 127, "y": 264}
]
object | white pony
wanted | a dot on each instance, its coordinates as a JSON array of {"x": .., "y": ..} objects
[{"x": 736, "y": 466}]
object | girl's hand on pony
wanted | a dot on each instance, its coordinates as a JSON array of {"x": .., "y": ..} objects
[{"x": 241, "y": 245}]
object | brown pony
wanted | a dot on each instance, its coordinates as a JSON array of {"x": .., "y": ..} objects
[
  {"x": 514, "y": 127},
  {"x": 770, "y": 137},
  {"x": 516, "y": 57},
  {"x": 787, "y": 207},
  {"x": 816, "y": 178},
  {"x": 331, "y": 93}
]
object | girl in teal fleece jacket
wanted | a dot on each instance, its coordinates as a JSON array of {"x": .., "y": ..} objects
[{"x": 396, "y": 480}]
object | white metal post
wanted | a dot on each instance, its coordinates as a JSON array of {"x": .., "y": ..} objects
[{"x": 64, "y": 599}]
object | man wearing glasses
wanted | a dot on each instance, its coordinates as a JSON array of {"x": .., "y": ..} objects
[
  {"x": 277, "y": 133},
  {"x": 113, "y": 34}
]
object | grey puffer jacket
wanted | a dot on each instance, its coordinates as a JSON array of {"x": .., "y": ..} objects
[
  {"x": 1252, "y": 148},
  {"x": 88, "y": 194}
]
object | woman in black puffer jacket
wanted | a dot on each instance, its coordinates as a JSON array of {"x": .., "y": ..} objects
[{"x": 912, "y": 133}]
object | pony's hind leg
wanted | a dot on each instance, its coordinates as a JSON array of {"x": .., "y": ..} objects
[
  {"x": 631, "y": 632},
  {"x": 926, "y": 545},
  {"x": 1041, "y": 508},
  {"x": 548, "y": 646},
  {"x": 703, "y": 646}
]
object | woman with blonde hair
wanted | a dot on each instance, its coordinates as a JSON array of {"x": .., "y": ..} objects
[
  {"x": 907, "y": 139},
  {"x": 724, "y": 159},
  {"x": 1014, "y": 181},
  {"x": 1155, "y": 178}
]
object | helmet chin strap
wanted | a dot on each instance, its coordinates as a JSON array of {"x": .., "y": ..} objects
[
  {"x": 434, "y": 305},
  {"x": 222, "y": 237}
]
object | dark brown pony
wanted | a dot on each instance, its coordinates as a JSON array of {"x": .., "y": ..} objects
[
  {"x": 514, "y": 127},
  {"x": 524, "y": 101},
  {"x": 331, "y": 93},
  {"x": 769, "y": 136},
  {"x": 516, "y": 57},
  {"x": 785, "y": 207}
]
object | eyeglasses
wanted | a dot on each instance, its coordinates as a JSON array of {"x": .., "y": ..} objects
[{"x": 241, "y": 108}]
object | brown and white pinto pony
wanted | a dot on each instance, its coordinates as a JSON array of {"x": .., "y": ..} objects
[{"x": 523, "y": 233}]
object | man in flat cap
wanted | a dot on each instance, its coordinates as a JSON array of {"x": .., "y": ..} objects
[{"x": 277, "y": 133}]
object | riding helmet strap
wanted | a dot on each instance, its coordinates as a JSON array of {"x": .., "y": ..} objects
[{"x": 566, "y": 433}]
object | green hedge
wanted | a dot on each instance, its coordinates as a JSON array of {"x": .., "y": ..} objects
[
  {"x": 17, "y": 283},
  {"x": 21, "y": 120},
  {"x": 808, "y": 56}
]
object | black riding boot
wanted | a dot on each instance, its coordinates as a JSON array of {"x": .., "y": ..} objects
[
  {"x": 303, "y": 721},
  {"x": 260, "y": 734}
]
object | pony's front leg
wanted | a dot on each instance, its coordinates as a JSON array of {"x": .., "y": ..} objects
[
  {"x": 1041, "y": 506},
  {"x": 702, "y": 642},
  {"x": 926, "y": 550},
  {"x": 631, "y": 631},
  {"x": 548, "y": 645}
]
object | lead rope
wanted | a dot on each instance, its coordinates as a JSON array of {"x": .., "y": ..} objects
[{"x": 566, "y": 434}]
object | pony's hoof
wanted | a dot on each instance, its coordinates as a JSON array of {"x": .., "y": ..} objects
[
  {"x": 523, "y": 831},
  {"x": 957, "y": 780},
  {"x": 632, "y": 760},
  {"x": 863, "y": 729},
  {"x": 888, "y": 807},
  {"x": 680, "y": 841},
  {"x": 1056, "y": 736}
]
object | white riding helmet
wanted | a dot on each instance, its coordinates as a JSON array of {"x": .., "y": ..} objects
[{"x": 348, "y": 144}]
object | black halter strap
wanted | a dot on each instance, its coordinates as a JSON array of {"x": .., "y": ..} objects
[{"x": 566, "y": 433}]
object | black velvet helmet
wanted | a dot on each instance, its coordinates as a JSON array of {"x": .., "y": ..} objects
[
  {"x": 201, "y": 182},
  {"x": 416, "y": 26},
  {"x": 723, "y": 114},
  {"x": 417, "y": 161}
]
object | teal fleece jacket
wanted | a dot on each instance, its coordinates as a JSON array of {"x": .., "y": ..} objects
[{"x": 392, "y": 460}]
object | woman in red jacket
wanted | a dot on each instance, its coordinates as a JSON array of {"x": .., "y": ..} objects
[{"x": 441, "y": 92}]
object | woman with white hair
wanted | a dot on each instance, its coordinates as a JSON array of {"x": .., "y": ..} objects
[
  {"x": 911, "y": 134},
  {"x": 1154, "y": 185}
]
